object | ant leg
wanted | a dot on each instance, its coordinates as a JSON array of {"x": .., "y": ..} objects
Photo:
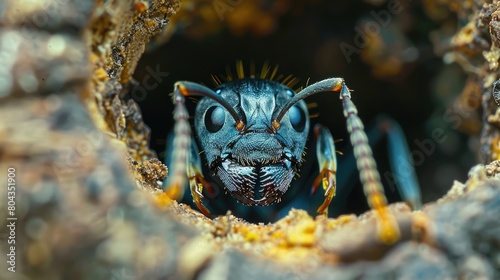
[
  {"x": 402, "y": 174},
  {"x": 176, "y": 181},
  {"x": 185, "y": 156},
  {"x": 325, "y": 152},
  {"x": 193, "y": 171},
  {"x": 196, "y": 179},
  {"x": 387, "y": 227},
  {"x": 400, "y": 162}
]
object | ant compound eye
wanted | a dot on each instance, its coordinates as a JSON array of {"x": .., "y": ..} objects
[
  {"x": 214, "y": 118},
  {"x": 297, "y": 118}
]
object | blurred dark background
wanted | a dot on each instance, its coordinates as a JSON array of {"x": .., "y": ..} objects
[{"x": 396, "y": 70}]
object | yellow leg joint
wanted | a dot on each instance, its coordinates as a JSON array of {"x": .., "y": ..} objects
[{"x": 387, "y": 227}]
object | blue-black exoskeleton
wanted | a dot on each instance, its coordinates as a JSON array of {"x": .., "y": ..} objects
[
  {"x": 256, "y": 164},
  {"x": 252, "y": 133}
]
